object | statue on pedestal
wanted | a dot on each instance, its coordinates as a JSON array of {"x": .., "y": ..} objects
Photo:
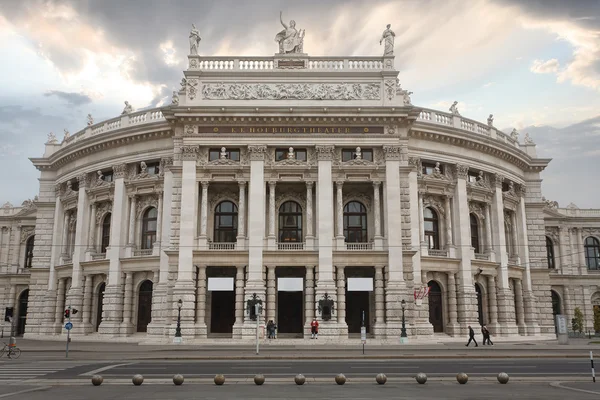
[
  {"x": 291, "y": 155},
  {"x": 194, "y": 41},
  {"x": 490, "y": 120},
  {"x": 175, "y": 99},
  {"x": 90, "y": 120},
  {"x": 514, "y": 134},
  {"x": 128, "y": 108},
  {"x": 51, "y": 138},
  {"x": 290, "y": 39},
  {"x": 388, "y": 35}
]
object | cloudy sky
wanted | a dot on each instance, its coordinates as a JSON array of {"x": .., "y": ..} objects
[{"x": 535, "y": 64}]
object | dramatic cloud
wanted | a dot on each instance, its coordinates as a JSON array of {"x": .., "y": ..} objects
[
  {"x": 76, "y": 99},
  {"x": 544, "y": 67}
]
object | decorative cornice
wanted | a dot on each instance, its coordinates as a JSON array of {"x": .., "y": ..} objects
[
  {"x": 392, "y": 152},
  {"x": 257, "y": 152},
  {"x": 324, "y": 153},
  {"x": 189, "y": 153},
  {"x": 462, "y": 171},
  {"x": 119, "y": 171}
]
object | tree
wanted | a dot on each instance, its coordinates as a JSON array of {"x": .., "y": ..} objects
[
  {"x": 597, "y": 318},
  {"x": 577, "y": 321}
]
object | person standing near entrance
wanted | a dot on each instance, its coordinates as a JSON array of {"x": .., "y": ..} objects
[
  {"x": 471, "y": 337},
  {"x": 314, "y": 329}
]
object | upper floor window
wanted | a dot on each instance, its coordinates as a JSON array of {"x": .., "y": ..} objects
[
  {"x": 284, "y": 154},
  {"x": 75, "y": 185},
  {"x": 107, "y": 176},
  {"x": 474, "y": 233},
  {"x": 430, "y": 168},
  {"x": 226, "y": 220},
  {"x": 290, "y": 222},
  {"x": 29, "y": 252},
  {"x": 432, "y": 230},
  {"x": 105, "y": 238},
  {"x": 357, "y": 153},
  {"x": 149, "y": 228},
  {"x": 505, "y": 186},
  {"x": 592, "y": 253},
  {"x": 150, "y": 168},
  {"x": 472, "y": 177},
  {"x": 355, "y": 222},
  {"x": 550, "y": 253},
  {"x": 223, "y": 153}
]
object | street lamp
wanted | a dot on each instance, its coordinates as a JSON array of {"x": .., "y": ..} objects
[
  {"x": 178, "y": 329},
  {"x": 403, "y": 335}
]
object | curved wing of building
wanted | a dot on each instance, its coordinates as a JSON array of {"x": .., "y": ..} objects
[{"x": 310, "y": 185}]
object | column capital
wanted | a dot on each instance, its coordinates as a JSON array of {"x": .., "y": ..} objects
[
  {"x": 165, "y": 164},
  {"x": 461, "y": 171},
  {"x": 84, "y": 180},
  {"x": 339, "y": 183},
  {"x": 119, "y": 170},
  {"x": 392, "y": 152},
  {"x": 376, "y": 184},
  {"x": 242, "y": 184},
  {"x": 272, "y": 183},
  {"x": 324, "y": 153},
  {"x": 309, "y": 184},
  {"x": 204, "y": 183},
  {"x": 189, "y": 152},
  {"x": 498, "y": 180},
  {"x": 132, "y": 196},
  {"x": 257, "y": 152}
]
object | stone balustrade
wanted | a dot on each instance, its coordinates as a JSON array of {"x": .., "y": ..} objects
[
  {"x": 290, "y": 246},
  {"x": 222, "y": 246},
  {"x": 269, "y": 63},
  {"x": 359, "y": 246}
]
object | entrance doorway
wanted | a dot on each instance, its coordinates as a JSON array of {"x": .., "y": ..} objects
[
  {"x": 478, "y": 292},
  {"x": 222, "y": 311},
  {"x": 290, "y": 316},
  {"x": 436, "y": 312},
  {"x": 100, "y": 306},
  {"x": 23, "y": 299},
  {"x": 144, "y": 306},
  {"x": 357, "y": 303}
]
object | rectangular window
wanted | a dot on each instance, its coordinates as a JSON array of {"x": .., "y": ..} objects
[
  {"x": 282, "y": 154},
  {"x": 152, "y": 168},
  {"x": 230, "y": 154},
  {"x": 472, "y": 177},
  {"x": 75, "y": 185},
  {"x": 350, "y": 154},
  {"x": 107, "y": 176},
  {"x": 429, "y": 168}
]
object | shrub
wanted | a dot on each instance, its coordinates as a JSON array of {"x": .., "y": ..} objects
[{"x": 577, "y": 321}]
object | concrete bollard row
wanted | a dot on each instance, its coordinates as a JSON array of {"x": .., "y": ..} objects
[
  {"x": 462, "y": 378},
  {"x": 219, "y": 379},
  {"x": 178, "y": 379},
  {"x": 259, "y": 379},
  {"x": 421, "y": 378},
  {"x": 137, "y": 380}
]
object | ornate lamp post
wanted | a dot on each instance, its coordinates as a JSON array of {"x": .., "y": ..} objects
[
  {"x": 178, "y": 329},
  {"x": 403, "y": 335}
]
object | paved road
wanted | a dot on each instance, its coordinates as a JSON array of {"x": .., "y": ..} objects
[{"x": 356, "y": 391}]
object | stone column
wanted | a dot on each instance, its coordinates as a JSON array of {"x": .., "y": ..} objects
[
  {"x": 339, "y": 210},
  {"x": 581, "y": 252},
  {"x": 239, "y": 302},
  {"x": 132, "y": 211},
  {"x": 241, "y": 236},
  {"x": 492, "y": 303},
  {"x": 310, "y": 237},
  {"x": 448, "y": 223},
  {"x": 515, "y": 234},
  {"x": 127, "y": 306},
  {"x": 271, "y": 293},
  {"x": 561, "y": 261},
  {"x": 422, "y": 222},
  {"x": 377, "y": 209},
  {"x": 60, "y": 302},
  {"x": 379, "y": 301},
  {"x": 161, "y": 290},
  {"x": 272, "y": 238},
  {"x": 341, "y": 295},
  {"x": 92, "y": 234},
  {"x": 256, "y": 220},
  {"x": 87, "y": 300},
  {"x": 567, "y": 303},
  {"x": 309, "y": 298},
  {"x": 204, "y": 209},
  {"x": 488, "y": 231},
  {"x": 520, "y": 311},
  {"x": 452, "y": 326},
  {"x": 201, "y": 329},
  {"x": 17, "y": 247}
]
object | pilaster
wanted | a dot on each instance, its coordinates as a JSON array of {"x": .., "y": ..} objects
[{"x": 256, "y": 217}]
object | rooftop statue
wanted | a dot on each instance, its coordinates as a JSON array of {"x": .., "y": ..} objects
[
  {"x": 528, "y": 139},
  {"x": 194, "y": 41},
  {"x": 290, "y": 39},
  {"x": 67, "y": 135},
  {"x": 514, "y": 134},
  {"x": 90, "y": 120},
  {"x": 388, "y": 35},
  {"x": 51, "y": 138},
  {"x": 454, "y": 108},
  {"x": 490, "y": 120},
  {"x": 128, "y": 108},
  {"x": 175, "y": 99}
]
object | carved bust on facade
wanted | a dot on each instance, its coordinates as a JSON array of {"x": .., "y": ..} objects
[
  {"x": 358, "y": 154},
  {"x": 143, "y": 168},
  {"x": 291, "y": 155},
  {"x": 223, "y": 154}
]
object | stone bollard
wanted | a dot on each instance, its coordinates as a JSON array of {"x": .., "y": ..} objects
[
  {"x": 381, "y": 379},
  {"x": 340, "y": 379},
  {"x": 299, "y": 379},
  {"x": 219, "y": 379},
  {"x": 137, "y": 380},
  {"x": 97, "y": 380},
  {"x": 259, "y": 379},
  {"x": 503, "y": 378},
  {"x": 462, "y": 378},
  {"x": 178, "y": 379},
  {"x": 421, "y": 378}
]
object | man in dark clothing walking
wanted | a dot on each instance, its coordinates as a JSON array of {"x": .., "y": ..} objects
[
  {"x": 486, "y": 336},
  {"x": 471, "y": 337}
]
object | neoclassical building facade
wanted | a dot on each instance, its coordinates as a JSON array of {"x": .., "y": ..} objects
[{"x": 310, "y": 183}]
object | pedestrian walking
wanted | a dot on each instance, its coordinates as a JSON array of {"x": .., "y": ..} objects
[
  {"x": 314, "y": 329},
  {"x": 471, "y": 337},
  {"x": 486, "y": 336}
]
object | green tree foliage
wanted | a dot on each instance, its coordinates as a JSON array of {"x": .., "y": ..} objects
[
  {"x": 577, "y": 321},
  {"x": 597, "y": 318}
]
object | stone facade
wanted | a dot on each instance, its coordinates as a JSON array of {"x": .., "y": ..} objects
[{"x": 315, "y": 190}]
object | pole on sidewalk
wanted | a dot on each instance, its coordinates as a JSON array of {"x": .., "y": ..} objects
[
  {"x": 592, "y": 362},
  {"x": 257, "y": 313},
  {"x": 68, "y": 335}
]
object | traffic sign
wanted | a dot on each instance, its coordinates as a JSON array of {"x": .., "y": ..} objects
[{"x": 68, "y": 326}]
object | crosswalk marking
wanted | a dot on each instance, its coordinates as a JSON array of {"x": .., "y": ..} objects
[{"x": 12, "y": 371}]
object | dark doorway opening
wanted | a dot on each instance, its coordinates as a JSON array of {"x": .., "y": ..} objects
[
  {"x": 356, "y": 304},
  {"x": 23, "y": 299},
  {"x": 436, "y": 312},
  {"x": 555, "y": 308},
  {"x": 100, "y": 305},
  {"x": 144, "y": 306},
  {"x": 290, "y": 313},
  {"x": 479, "y": 304},
  {"x": 222, "y": 311}
]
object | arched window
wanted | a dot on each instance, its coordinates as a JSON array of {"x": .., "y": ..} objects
[
  {"x": 550, "y": 253},
  {"x": 226, "y": 220},
  {"x": 29, "y": 252},
  {"x": 474, "y": 233},
  {"x": 290, "y": 222},
  {"x": 149, "y": 228},
  {"x": 355, "y": 222},
  {"x": 105, "y": 241},
  {"x": 432, "y": 231},
  {"x": 592, "y": 253}
]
